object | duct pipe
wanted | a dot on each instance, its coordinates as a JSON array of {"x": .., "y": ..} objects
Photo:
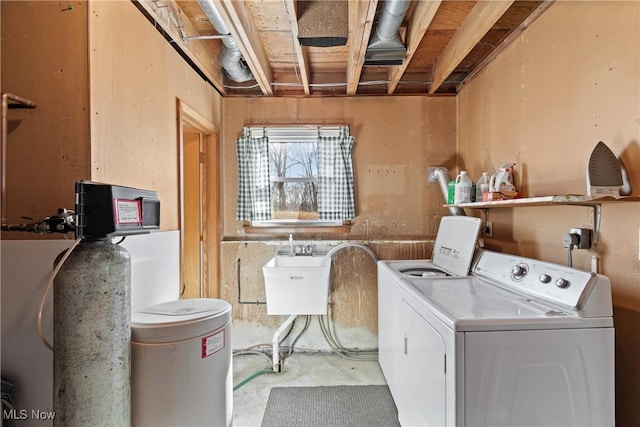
[
  {"x": 230, "y": 56},
  {"x": 440, "y": 175},
  {"x": 391, "y": 17}
]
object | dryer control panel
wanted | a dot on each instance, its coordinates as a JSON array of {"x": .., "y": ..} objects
[{"x": 561, "y": 285}]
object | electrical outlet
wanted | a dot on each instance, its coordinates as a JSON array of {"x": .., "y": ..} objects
[
  {"x": 488, "y": 229},
  {"x": 583, "y": 238}
]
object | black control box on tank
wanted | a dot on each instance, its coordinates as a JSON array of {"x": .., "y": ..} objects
[{"x": 106, "y": 210}]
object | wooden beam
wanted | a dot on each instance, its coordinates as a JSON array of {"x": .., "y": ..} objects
[
  {"x": 170, "y": 18},
  {"x": 482, "y": 17},
  {"x": 546, "y": 4},
  {"x": 361, "y": 15},
  {"x": 238, "y": 19},
  {"x": 298, "y": 54},
  {"x": 420, "y": 21}
]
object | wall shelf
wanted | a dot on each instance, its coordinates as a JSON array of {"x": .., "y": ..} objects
[
  {"x": 545, "y": 201},
  {"x": 569, "y": 200}
]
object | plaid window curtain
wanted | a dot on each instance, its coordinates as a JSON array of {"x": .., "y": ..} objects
[
  {"x": 254, "y": 203},
  {"x": 336, "y": 199}
]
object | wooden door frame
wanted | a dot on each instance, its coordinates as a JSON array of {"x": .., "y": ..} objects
[{"x": 210, "y": 194}]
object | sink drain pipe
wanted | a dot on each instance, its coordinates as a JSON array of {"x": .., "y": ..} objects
[{"x": 276, "y": 342}]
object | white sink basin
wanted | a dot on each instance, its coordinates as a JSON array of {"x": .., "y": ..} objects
[{"x": 297, "y": 284}]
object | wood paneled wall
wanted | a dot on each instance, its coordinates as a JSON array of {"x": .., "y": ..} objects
[
  {"x": 397, "y": 138},
  {"x": 106, "y": 83},
  {"x": 544, "y": 104},
  {"x": 136, "y": 78},
  {"x": 397, "y": 210},
  {"x": 44, "y": 59}
]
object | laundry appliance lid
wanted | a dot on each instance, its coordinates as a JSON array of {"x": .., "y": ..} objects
[
  {"x": 179, "y": 320},
  {"x": 455, "y": 244},
  {"x": 470, "y": 304}
]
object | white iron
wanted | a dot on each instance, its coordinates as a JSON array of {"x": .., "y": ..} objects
[{"x": 604, "y": 175}]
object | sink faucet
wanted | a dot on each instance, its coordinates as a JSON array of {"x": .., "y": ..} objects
[{"x": 292, "y": 249}]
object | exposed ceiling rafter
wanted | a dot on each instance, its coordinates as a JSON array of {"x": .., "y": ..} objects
[
  {"x": 444, "y": 42},
  {"x": 546, "y": 4},
  {"x": 173, "y": 22},
  {"x": 482, "y": 17},
  {"x": 421, "y": 20},
  {"x": 299, "y": 57},
  {"x": 238, "y": 19},
  {"x": 361, "y": 17}
]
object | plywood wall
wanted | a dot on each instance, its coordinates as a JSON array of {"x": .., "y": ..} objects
[
  {"x": 544, "y": 104},
  {"x": 44, "y": 59},
  {"x": 397, "y": 210},
  {"x": 106, "y": 84},
  {"x": 572, "y": 79},
  {"x": 396, "y": 140},
  {"x": 136, "y": 79}
]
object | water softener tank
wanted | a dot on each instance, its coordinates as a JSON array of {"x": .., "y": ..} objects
[
  {"x": 91, "y": 336},
  {"x": 181, "y": 371}
]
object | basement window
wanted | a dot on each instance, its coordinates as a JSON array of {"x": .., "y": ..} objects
[{"x": 295, "y": 176}]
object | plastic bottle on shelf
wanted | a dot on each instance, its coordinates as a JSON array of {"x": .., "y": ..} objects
[
  {"x": 482, "y": 186},
  {"x": 451, "y": 185},
  {"x": 462, "y": 193}
]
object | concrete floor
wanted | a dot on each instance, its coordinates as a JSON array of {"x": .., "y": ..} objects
[{"x": 300, "y": 369}]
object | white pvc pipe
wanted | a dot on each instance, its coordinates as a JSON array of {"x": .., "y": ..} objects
[{"x": 276, "y": 342}]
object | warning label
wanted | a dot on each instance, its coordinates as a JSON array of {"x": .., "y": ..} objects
[{"x": 213, "y": 343}]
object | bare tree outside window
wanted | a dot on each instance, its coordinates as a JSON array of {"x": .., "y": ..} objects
[{"x": 293, "y": 168}]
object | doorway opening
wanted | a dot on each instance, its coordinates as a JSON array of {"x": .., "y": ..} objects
[{"x": 199, "y": 189}]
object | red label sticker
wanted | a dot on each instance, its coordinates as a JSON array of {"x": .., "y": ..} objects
[
  {"x": 127, "y": 211},
  {"x": 213, "y": 343}
]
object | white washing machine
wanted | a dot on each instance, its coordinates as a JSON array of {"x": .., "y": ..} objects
[
  {"x": 521, "y": 342},
  {"x": 453, "y": 252},
  {"x": 181, "y": 370}
]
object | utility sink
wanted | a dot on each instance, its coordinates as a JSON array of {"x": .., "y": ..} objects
[{"x": 297, "y": 284}]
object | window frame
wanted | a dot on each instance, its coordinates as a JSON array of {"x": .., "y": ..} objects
[{"x": 295, "y": 134}]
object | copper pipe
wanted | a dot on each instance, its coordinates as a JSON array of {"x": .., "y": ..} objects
[{"x": 20, "y": 103}]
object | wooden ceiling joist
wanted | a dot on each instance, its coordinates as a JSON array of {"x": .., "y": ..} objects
[
  {"x": 420, "y": 21},
  {"x": 238, "y": 19},
  {"x": 361, "y": 16},
  {"x": 546, "y": 4},
  {"x": 298, "y": 56},
  {"x": 482, "y": 17},
  {"x": 169, "y": 18},
  {"x": 446, "y": 43}
]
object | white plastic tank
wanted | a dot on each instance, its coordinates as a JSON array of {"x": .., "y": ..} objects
[{"x": 181, "y": 371}]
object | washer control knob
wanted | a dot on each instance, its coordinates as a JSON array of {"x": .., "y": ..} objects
[
  {"x": 545, "y": 278},
  {"x": 519, "y": 271},
  {"x": 562, "y": 283}
]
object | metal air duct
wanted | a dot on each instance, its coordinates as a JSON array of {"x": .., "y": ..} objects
[
  {"x": 385, "y": 46},
  {"x": 230, "y": 55},
  {"x": 440, "y": 175}
]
